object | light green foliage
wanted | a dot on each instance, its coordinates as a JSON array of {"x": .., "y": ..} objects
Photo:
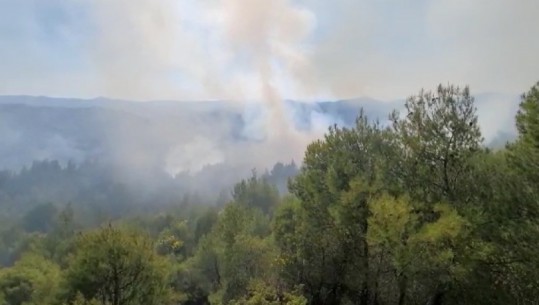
[
  {"x": 237, "y": 250},
  {"x": 80, "y": 300},
  {"x": 447, "y": 227},
  {"x": 237, "y": 220},
  {"x": 177, "y": 239},
  {"x": 338, "y": 178},
  {"x": 260, "y": 293},
  {"x": 243, "y": 250},
  {"x": 32, "y": 280},
  {"x": 424, "y": 257},
  {"x": 249, "y": 257},
  {"x": 436, "y": 246},
  {"x": 391, "y": 223},
  {"x": 413, "y": 213},
  {"x": 117, "y": 267},
  {"x": 290, "y": 239},
  {"x": 168, "y": 243},
  {"x": 399, "y": 214}
]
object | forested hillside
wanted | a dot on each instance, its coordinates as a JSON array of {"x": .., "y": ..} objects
[
  {"x": 176, "y": 137},
  {"x": 418, "y": 211}
]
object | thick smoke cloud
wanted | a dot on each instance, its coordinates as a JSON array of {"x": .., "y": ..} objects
[
  {"x": 187, "y": 49},
  {"x": 263, "y": 40},
  {"x": 256, "y": 53}
]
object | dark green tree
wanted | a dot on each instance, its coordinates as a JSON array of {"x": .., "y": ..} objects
[
  {"x": 256, "y": 192},
  {"x": 438, "y": 134}
]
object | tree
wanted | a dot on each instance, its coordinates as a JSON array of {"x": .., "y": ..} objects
[
  {"x": 32, "y": 280},
  {"x": 339, "y": 176},
  {"x": 524, "y": 153},
  {"x": 257, "y": 193},
  {"x": 518, "y": 228},
  {"x": 437, "y": 136},
  {"x": 236, "y": 252},
  {"x": 244, "y": 252},
  {"x": 117, "y": 267},
  {"x": 289, "y": 238},
  {"x": 40, "y": 219},
  {"x": 205, "y": 223},
  {"x": 391, "y": 215},
  {"x": 260, "y": 293},
  {"x": 177, "y": 239}
]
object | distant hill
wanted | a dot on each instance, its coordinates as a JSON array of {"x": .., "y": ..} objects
[{"x": 180, "y": 136}]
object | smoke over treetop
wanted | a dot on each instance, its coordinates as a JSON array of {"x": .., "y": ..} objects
[{"x": 240, "y": 51}]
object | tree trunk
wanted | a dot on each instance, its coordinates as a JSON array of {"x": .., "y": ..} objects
[
  {"x": 437, "y": 298},
  {"x": 375, "y": 297},
  {"x": 116, "y": 288},
  {"x": 365, "y": 263},
  {"x": 403, "y": 283}
]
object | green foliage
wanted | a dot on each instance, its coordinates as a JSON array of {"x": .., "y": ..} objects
[
  {"x": 289, "y": 238},
  {"x": 339, "y": 177},
  {"x": 32, "y": 280},
  {"x": 399, "y": 215},
  {"x": 176, "y": 240},
  {"x": 260, "y": 293},
  {"x": 438, "y": 135},
  {"x": 243, "y": 250},
  {"x": 391, "y": 223},
  {"x": 524, "y": 153},
  {"x": 205, "y": 223},
  {"x": 249, "y": 257},
  {"x": 414, "y": 213},
  {"x": 207, "y": 264},
  {"x": 527, "y": 120},
  {"x": 117, "y": 267},
  {"x": 40, "y": 219},
  {"x": 256, "y": 192},
  {"x": 80, "y": 300}
]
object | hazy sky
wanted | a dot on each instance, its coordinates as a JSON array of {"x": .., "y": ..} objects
[{"x": 198, "y": 49}]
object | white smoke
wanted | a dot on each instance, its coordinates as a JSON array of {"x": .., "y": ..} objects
[
  {"x": 193, "y": 156},
  {"x": 261, "y": 51},
  {"x": 231, "y": 49}
]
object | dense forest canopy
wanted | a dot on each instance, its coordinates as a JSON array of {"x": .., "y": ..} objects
[{"x": 415, "y": 212}]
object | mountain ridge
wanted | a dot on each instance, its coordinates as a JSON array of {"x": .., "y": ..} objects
[{"x": 40, "y": 127}]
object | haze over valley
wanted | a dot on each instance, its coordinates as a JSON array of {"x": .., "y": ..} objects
[
  {"x": 269, "y": 152},
  {"x": 176, "y": 137}
]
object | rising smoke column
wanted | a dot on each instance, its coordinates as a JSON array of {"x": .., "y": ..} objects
[
  {"x": 270, "y": 35},
  {"x": 238, "y": 50}
]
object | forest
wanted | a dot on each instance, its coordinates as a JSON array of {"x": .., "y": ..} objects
[{"x": 417, "y": 211}]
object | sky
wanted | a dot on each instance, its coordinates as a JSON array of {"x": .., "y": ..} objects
[{"x": 260, "y": 49}]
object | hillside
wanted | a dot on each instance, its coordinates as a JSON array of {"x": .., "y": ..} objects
[{"x": 186, "y": 136}]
